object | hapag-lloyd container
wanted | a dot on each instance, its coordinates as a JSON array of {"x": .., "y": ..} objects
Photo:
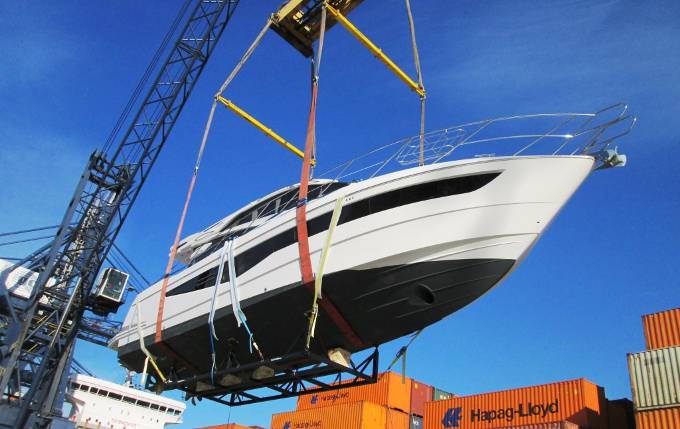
[
  {"x": 356, "y": 415},
  {"x": 577, "y": 401},
  {"x": 663, "y": 418},
  {"x": 662, "y": 329},
  {"x": 420, "y": 395},
  {"x": 390, "y": 390},
  {"x": 655, "y": 378}
]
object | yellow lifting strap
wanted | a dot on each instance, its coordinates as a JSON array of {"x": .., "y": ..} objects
[
  {"x": 376, "y": 51},
  {"x": 146, "y": 352},
  {"x": 335, "y": 217},
  {"x": 260, "y": 126}
]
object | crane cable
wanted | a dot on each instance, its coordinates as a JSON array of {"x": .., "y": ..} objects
[{"x": 416, "y": 60}]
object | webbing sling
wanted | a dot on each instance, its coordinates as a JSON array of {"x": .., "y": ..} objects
[{"x": 301, "y": 211}]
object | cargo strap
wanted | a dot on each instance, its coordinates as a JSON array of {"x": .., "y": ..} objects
[
  {"x": 322, "y": 265},
  {"x": 301, "y": 210},
  {"x": 180, "y": 226},
  {"x": 402, "y": 354},
  {"x": 149, "y": 357},
  {"x": 236, "y": 303}
]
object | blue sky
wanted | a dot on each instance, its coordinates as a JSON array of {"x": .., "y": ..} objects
[{"x": 571, "y": 310}]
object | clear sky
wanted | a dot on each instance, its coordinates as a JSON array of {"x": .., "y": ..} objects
[{"x": 573, "y": 307}]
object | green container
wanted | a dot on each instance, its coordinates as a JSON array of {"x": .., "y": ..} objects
[{"x": 439, "y": 395}]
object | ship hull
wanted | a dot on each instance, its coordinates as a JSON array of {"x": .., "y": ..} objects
[{"x": 394, "y": 268}]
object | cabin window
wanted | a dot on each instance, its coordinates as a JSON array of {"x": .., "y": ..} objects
[
  {"x": 115, "y": 396},
  {"x": 164, "y": 409},
  {"x": 143, "y": 404},
  {"x": 376, "y": 204},
  {"x": 154, "y": 406},
  {"x": 129, "y": 399}
]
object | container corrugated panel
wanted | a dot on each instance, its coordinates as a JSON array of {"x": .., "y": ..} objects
[
  {"x": 395, "y": 419},
  {"x": 662, "y": 329},
  {"x": 655, "y": 378},
  {"x": 420, "y": 395},
  {"x": 390, "y": 390},
  {"x": 577, "y": 401},
  {"x": 557, "y": 425},
  {"x": 664, "y": 418},
  {"x": 356, "y": 415}
]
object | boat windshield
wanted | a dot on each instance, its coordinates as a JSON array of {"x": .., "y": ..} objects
[{"x": 282, "y": 202}]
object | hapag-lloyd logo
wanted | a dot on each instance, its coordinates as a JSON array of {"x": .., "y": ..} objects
[
  {"x": 453, "y": 416},
  {"x": 311, "y": 424},
  {"x": 328, "y": 399}
]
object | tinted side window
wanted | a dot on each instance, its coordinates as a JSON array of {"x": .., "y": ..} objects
[{"x": 386, "y": 201}]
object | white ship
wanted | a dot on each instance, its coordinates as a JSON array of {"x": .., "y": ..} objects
[
  {"x": 412, "y": 245},
  {"x": 98, "y": 403}
]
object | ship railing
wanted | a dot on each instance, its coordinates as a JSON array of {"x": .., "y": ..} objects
[{"x": 520, "y": 135}]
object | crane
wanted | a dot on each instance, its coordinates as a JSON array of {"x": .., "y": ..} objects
[
  {"x": 41, "y": 334},
  {"x": 41, "y": 337}
]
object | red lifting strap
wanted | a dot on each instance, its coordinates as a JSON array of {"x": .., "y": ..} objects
[{"x": 303, "y": 238}]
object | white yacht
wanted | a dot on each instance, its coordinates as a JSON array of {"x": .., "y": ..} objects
[
  {"x": 98, "y": 403},
  {"x": 412, "y": 245}
]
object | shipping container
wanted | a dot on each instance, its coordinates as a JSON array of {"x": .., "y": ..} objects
[
  {"x": 663, "y": 418},
  {"x": 662, "y": 329},
  {"x": 577, "y": 401},
  {"x": 420, "y": 395},
  {"x": 440, "y": 395},
  {"x": 395, "y": 419},
  {"x": 621, "y": 414},
  {"x": 356, "y": 415},
  {"x": 416, "y": 422},
  {"x": 655, "y": 378},
  {"x": 391, "y": 390},
  {"x": 226, "y": 426}
]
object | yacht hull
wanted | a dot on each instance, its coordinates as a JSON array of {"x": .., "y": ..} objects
[{"x": 390, "y": 272}]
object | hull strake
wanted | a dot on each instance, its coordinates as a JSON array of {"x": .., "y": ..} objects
[{"x": 382, "y": 304}]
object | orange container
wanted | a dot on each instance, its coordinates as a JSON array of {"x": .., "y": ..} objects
[
  {"x": 662, "y": 329},
  {"x": 395, "y": 419},
  {"x": 226, "y": 426},
  {"x": 389, "y": 391},
  {"x": 578, "y": 401},
  {"x": 357, "y": 415},
  {"x": 420, "y": 395},
  {"x": 663, "y": 418}
]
